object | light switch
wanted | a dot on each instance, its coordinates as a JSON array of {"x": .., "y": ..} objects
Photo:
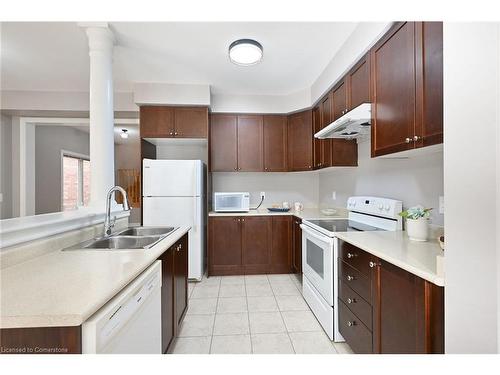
[{"x": 441, "y": 205}]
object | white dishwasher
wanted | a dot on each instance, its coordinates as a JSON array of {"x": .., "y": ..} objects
[{"x": 131, "y": 322}]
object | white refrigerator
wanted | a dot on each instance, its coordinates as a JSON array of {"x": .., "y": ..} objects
[{"x": 173, "y": 194}]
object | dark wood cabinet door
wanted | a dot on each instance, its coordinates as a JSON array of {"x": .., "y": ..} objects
[
  {"x": 326, "y": 119},
  {"x": 256, "y": 244},
  {"x": 344, "y": 152},
  {"x": 275, "y": 143},
  {"x": 317, "y": 143},
  {"x": 281, "y": 247},
  {"x": 429, "y": 71},
  {"x": 297, "y": 246},
  {"x": 410, "y": 313},
  {"x": 181, "y": 279},
  {"x": 394, "y": 85},
  {"x": 167, "y": 298},
  {"x": 156, "y": 122},
  {"x": 300, "y": 141},
  {"x": 339, "y": 98},
  {"x": 250, "y": 143},
  {"x": 224, "y": 250},
  {"x": 358, "y": 83},
  {"x": 191, "y": 122},
  {"x": 223, "y": 143}
]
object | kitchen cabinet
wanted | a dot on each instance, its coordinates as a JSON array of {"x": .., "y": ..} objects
[
  {"x": 344, "y": 152},
  {"x": 357, "y": 82},
  {"x": 407, "y": 85},
  {"x": 317, "y": 143},
  {"x": 241, "y": 245},
  {"x": 300, "y": 141},
  {"x": 223, "y": 143},
  {"x": 339, "y": 99},
  {"x": 173, "y": 122},
  {"x": 326, "y": 119},
  {"x": 275, "y": 143},
  {"x": 385, "y": 309},
  {"x": 167, "y": 298},
  {"x": 250, "y": 143},
  {"x": 255, "y": 244},
  {"x": 281, "y": 245},
  {"x": 180, "y": 280},
  {"x": 296, "y": 246}
]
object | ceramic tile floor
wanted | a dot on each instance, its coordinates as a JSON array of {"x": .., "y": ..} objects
[{"x": 259, "y": 314}]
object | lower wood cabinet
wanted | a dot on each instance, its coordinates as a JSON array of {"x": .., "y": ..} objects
[
  {"x": 180, "y": 280},
  {"x": 385, "y": 309},
  {"x": 296, "y": 245},
  {"x": 239, "y": 245}
]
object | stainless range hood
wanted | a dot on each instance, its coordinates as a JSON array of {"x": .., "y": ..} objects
[{"x": 354, "y": 124}]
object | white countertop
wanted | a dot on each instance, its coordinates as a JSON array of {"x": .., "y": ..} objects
[
  {"x": 306, "y": 213},
  {"x": 423, "y": 259},
  {"x": 64, "y": 288}
]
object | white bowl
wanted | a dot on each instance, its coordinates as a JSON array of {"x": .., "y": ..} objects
[{"x": 328, "y": 211}]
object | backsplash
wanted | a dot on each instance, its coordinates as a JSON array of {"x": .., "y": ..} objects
[{"x": 418, "y": 180}]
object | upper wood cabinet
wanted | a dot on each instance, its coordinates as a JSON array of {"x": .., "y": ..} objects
[
  {"x": 300, "y": 141},
  {"x": 339, "y": 98},
  {"x": 223, "y": 143},
  {"x": 317, "y": 143},
  {"x": 407, "y": 71},
  {"x": 326, "y": 119},
  {"x": 250, "y": 143},
  {"x": 357, "y": 83},
  {"x": 275, "y": 143},
  {"x": 173, "y": 122}
]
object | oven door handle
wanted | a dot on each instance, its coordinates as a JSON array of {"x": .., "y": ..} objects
[{"x": 319, "y": 237}]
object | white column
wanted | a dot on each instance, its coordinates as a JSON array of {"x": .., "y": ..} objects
[{"x": 101, "y": 114}]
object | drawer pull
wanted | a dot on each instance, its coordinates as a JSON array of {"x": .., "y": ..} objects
[
  {"x": 350, "y": 255},
  {"x": 351, "y": 324},
  {"x": 350, "y": 278},
  {"x": 372, "y": 264},
  {"x": 351, "y": 300}
]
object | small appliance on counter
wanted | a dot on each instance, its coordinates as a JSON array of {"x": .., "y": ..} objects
[{"x": 231, "y": 202}]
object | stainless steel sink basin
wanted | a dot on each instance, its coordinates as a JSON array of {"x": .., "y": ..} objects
[
  {"x": 124, "y": 242},
  {"x": 146, "y": 231}
]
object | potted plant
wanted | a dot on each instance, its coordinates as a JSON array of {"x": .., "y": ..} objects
[{"x": 417, "y": 222}]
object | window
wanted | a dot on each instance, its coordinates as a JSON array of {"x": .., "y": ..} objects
[{"x": 75, "y": 181}]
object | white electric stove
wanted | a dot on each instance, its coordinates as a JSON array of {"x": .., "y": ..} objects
[{"x": 320, "y": 252}]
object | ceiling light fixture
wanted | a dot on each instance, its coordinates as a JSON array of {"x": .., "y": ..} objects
[
  {"x": 124, "y": 134},
  {"x": 245, "y": 52}
]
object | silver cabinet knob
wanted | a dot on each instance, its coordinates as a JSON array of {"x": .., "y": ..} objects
[
  {"x": 408, "y": 140},
  {"x": 350, "y": 255},
  {"x": 372, "y": 264},
  {"x": 416, "y": 138},
  {"x": 351, "y": 300},
  {"x": 350, "y": 278},
  {"x": 350, "y": 324},
  {"x": 176, "y": 133},
  {"x": 242, "y": 219},
  {"x": 171, "y": 133}
]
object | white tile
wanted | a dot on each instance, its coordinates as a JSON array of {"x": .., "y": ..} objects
[
  {"x": 300, "y": 321},
  {"x": 231, "y": 324},
  {"x": 279, "y": 278},
  {"x": 191, "y": 286},
  {"x": 197, "y": 325},
  {"x": 256, "y": 279},
  {"x": 232, "y": 290},
  {"x": 259, "y": 290},
  {"x": 271, "y": 343},
  {"x": 232, "y": 280},
  {"x": 342, "y": 348},
  {"x": 261, "y": 304},
  {"x": 286, "y": 289},
  {"x": 202, "y": 306},
  {"x": 292, "y": 303},
  {"x": 232, "y": 305},
  {"x": 205, "y": 291},
  {"x": 266, "y": 322},
  {"x": 311, "y": 343},
  {"x": 212, "y": 280},
  {"x": 191, "y": 345},
  {"x": 234, "y": 344}
]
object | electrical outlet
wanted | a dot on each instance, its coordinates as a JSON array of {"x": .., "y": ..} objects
[
  {"x": 441, "y": 205},
  {"x": 262, "y": 195},
  {"x": 334, "y": 195}
]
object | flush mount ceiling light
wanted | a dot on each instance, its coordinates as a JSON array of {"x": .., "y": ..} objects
[
  {"x": 124, "y": 134},
  {"x": 245, "y": 52}
]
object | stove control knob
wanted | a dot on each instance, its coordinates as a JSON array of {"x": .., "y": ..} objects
[
  {"x": 380, "y": 206},
  {"x": 387, "y": 207}
]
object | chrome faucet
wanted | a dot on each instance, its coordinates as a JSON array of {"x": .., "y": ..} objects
[{"x": 108, "y": 224}]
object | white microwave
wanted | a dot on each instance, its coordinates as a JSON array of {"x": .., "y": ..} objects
[{"x": 231, "y": 202}]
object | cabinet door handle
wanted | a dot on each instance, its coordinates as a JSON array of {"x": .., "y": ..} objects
[
  {"x": 171, "y": 133},
  {"x": 176, "y": 133},
  {"x": 416, "y": 138},
  {"x": 408, "y": 140},
  {"x": 242, "y": 219},
  {"x": 351, "y": 300},
  {"x": 350, "y": 255},
  {"x": 350, "y": 278},
  {"x": 372, "y": 264},
  {"x": 351, "y": 324}
]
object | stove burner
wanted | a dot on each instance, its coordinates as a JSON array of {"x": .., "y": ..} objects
[{"x": 342, "y": 225}]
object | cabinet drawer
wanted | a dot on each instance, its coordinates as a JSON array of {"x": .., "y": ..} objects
[
  {"x": 355, "y": 280},
  {"x": 354, "y": 331},
  {"x": 355, "y": 257},
  {"x": 355, "y": 303}
]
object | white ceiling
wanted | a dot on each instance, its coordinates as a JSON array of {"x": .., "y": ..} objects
[{"x": 54, "y": 56}]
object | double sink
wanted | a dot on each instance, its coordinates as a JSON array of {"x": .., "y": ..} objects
[{"x": 130, "y": 238}]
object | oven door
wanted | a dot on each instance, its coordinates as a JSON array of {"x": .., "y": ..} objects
[{"x": 317, "y": 261}]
